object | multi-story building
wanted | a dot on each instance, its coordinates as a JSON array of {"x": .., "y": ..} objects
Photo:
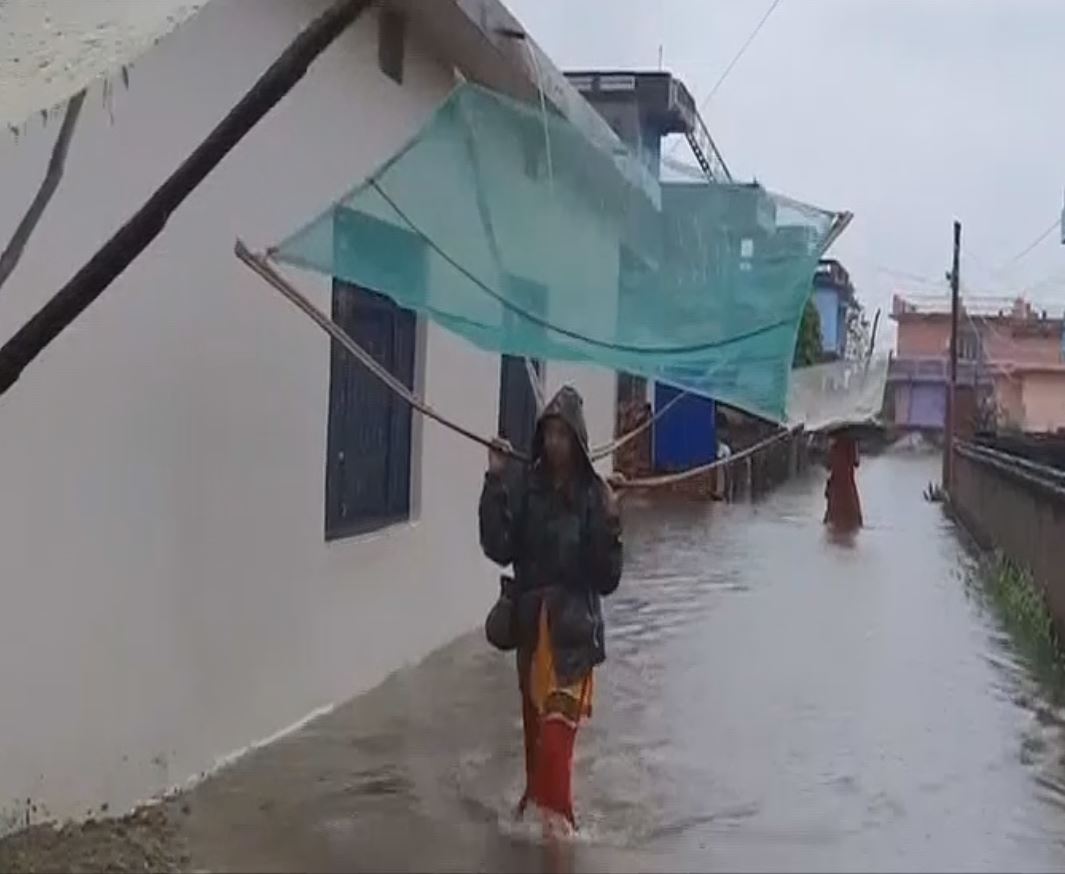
[
  {"x": 1009, "y": 352},
  {"x": 212, "y": 525},
  {"x": 833, "y": 295},
  {"x": 643, "y": 108}
]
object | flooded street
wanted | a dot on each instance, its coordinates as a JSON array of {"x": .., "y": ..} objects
[{"x": 771, "y": 700}]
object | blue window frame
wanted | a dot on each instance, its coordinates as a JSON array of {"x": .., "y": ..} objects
[
  {"x": 368, "y": 460},
  {"x": 368, "y": 467}
]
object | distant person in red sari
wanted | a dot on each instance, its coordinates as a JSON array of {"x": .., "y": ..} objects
[{"x": 844, "y": 511}]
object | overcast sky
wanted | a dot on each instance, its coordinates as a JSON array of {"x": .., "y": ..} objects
[{"x": 909, "y": 113}]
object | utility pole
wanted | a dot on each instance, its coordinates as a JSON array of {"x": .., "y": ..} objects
[
  {"x": 872, "y": 336},
  {"x": 952, "y": 390}
]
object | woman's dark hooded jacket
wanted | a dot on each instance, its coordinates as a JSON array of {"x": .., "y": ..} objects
[{"x": 564, "y": 547}]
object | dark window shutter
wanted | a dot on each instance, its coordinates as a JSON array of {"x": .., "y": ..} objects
[
  {"x": 391, "y": 43},
  {"x": 368, "y": 463},
  {"x": 369, "y": 435},
  {"x": 517, "y": 400},
  {"x": 403, "y": 341}
]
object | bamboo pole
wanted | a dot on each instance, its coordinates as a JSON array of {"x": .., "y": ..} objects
[
  {"x": 261, "y": 265},
  {"x": 148, "y": 222},
  {"x": 52, "y": 177}
]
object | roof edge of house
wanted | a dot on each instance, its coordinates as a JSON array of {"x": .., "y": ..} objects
[
  {"x": 488, "y": 45},
  {"x": 37, "y": 76}
]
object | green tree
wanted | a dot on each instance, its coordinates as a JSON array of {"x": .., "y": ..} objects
[
  {"x": 858, "y": 334},
  {"x": 808, "y": 345}
]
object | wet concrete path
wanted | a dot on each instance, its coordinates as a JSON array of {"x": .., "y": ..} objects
[{"x": 772, "y": 700}]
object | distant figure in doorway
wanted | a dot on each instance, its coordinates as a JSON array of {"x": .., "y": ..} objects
[
  {"x": 724, "y": 452},
  {"x": 844, "y": 511}
]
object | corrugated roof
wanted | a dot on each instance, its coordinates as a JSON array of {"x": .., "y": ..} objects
[{"x": 51, "y": 49}]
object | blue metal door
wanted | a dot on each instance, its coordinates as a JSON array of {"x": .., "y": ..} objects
[{"x": 686, "y": 436}]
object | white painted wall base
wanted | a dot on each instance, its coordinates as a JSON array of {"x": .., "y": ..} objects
[{"x": 168, "y": 593}]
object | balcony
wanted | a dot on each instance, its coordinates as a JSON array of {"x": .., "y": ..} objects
[{"x": 937, "y": 370}]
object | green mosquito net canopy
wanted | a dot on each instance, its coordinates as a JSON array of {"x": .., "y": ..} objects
[{"x": 507, "y": 226}]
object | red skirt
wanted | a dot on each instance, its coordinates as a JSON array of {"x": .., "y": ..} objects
[{"x": 551, "y": 714}]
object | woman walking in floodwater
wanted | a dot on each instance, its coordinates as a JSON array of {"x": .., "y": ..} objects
[
  {"x": 557, "y": 523},
  {"x": 844, "y": 511}
]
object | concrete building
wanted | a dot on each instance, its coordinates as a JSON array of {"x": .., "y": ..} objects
[
  {"x": 1011, "y": 354},
  {"x": 833, "y": 296},
  {"x": 643, "y": 108},
  {"x": 210, "y": 526}
]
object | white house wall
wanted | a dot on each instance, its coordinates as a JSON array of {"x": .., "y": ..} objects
[{"x": 168, "y": 596}]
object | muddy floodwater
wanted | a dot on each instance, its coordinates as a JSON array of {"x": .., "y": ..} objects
[{"x": 772, "y": 700}]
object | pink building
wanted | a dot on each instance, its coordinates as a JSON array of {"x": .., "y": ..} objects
[{"x": 1010, "y": 352}]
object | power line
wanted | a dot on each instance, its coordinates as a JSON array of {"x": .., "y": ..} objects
[
  {"x": 1027, "y": 249},
  {"x": 735, "y": 60},
  {"x": 1048, "y": 282},
  {"x": 1027, "y": 290},
  {"x": 918, "y": 278}
]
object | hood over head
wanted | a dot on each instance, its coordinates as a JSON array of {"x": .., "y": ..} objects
[{"x": 568, "y": 406}]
